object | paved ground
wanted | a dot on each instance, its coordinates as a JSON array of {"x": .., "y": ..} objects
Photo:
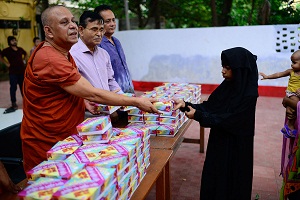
[{"x": 186, "y": 165}]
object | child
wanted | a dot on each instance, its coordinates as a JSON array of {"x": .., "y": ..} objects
[{"x": 293, "y": 91}]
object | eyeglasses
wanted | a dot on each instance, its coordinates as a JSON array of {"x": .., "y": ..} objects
[{"x": 96, "y": 30}]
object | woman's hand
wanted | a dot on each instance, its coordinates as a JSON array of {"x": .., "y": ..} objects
[
  {"x": 190, "y": 114},
  {"x": 178, "y": 103}
]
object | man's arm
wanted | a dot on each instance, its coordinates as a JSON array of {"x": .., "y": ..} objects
[
  {"x": 4, "y": 61},
  {"x": 82, "y": 88}
]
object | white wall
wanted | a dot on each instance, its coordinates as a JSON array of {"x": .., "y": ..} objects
[{"x": 193, "y": 54}]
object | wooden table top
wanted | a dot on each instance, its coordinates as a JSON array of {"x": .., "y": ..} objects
[
  {"x": 162, "y": 142},
  {"x": 158, "y": 160}
]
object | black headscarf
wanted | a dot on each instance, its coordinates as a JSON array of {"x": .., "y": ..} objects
[{"x": 229, "y": 94}]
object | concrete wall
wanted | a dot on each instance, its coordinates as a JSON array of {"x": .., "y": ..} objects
[{"x": 193, "y": 54}]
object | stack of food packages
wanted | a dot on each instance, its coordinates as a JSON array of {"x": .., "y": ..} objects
[
  {"x": 106, "y": 109},
  {"x": 90, "y": 165},
  {"x": 169, "y": 121}
]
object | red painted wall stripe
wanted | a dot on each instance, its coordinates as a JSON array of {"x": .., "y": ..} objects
[{"x": 270, "y": 91}]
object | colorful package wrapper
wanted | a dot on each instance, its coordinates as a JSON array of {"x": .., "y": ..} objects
[
  {"x": 135, "y": 118},
  {"x": 164, "y": 106},
  {"x": 106, "y": 176},
  {"x": 98, "y": 138},
  {"x": 140, "y": 131},
  {"x": 94, "y": 125},
  {"x": 110, "y": 192},
  {"x": 127, "y": 139},
  {"x": 42, "y": 188},
  {"x": 106, "y": 109},
  {"x": 147, "y": 161},
  {"x": 128, "y": 150},
  {"x": 150, "y": 127},
  {"x": 73, "y": 139},
  {"x": 62, "y": 150},
  {"x": 116, "y": 131},
  {"x": 142, "y": 172},
  {"x": 124, "y": 185},
  {"x": 151, "y": 117},
  {"x": 140, "y": 160},
  {"x": 54, "y": 169},
  {"x": 82, "y": 157},
  {"x": 92, "y": 147},
  {"x": 133, "y": 185},
  {"x": 117, "y": 161},
  {"x": 135, "y": 111},
  {"x": 165, "y": 130},
  {"x": 75, "y": 189},
  {"x": 168, "y": 120}
]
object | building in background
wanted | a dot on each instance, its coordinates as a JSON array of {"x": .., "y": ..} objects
[{"x": 18, "y": 18}]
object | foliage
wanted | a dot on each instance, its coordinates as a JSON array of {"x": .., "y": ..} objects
[{"x": 199, "y": 13}]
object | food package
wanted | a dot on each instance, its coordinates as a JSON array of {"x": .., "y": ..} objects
[{"x": 94, "y": 125}]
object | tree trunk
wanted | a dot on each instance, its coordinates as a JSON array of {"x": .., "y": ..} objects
[
  {"x": 224, "y": 18},
  {"x": 214, "y": 13},
  {"x": 251, "y": 12}
]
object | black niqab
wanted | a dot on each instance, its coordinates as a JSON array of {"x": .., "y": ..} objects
[{"x": 228, "y": 95}]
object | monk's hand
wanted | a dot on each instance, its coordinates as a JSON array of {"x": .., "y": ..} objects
[
  {"x": 145, "y": 104},
  {"x": 90, "y": 106}
]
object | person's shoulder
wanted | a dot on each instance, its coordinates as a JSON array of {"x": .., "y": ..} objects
[
  {"x": 116, "y": 40},
  {"x": 7, "y": 49},
  {"x": 75, "y": 48},
  {"x": 49, "y": 55}
]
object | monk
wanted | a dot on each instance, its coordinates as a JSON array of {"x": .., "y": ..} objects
[{"x": 55, "y": 94}]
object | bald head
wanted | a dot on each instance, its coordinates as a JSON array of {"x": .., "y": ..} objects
[
  {"x": 47, "y": 14},
  {"x": 60, "y": 27}
]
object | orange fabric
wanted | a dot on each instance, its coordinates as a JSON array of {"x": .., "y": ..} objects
[{"x": 50, "y": 113}]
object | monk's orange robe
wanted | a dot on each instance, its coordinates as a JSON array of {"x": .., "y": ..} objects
[{"x": 50, "y": 113}]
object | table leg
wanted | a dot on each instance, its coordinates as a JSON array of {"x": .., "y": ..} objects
[
  {"x": 160, "y": 186},
  {"x": 168, "y": 181},
  {"x": 201, "y": 139}
]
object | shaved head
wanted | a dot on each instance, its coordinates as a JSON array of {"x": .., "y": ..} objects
[{"x": 46, "y": 15}]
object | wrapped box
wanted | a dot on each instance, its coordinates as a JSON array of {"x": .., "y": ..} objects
[
  {"x": 62, "y": 150},
  {"x": 96, "y": 173},
  {"x": 106, "y": 109},
  {"x": 75, "y": 189},
  {"x": 98, "y": 138},
  {"x": 127, "y": 139},
  {"x": 82, "y": 157},
  {"x": 95, "y": 125},
  {"x": 42, "y": 188},
  {"x": 54, "y": 169},
  {"x": 127, "y": 150},
  {"x": 95, "y": 147},
  {"x": 166, "y": 130},
  {"x": 117, "y": 161}
]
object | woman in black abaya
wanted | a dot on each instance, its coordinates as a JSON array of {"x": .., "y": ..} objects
[{"x": 230, "y": 113}]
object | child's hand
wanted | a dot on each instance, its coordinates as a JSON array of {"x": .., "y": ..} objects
[
  {"x": 190, "y": 114},
  {"x": 298, "y": 92},
  {"x": 264, "y": 76}
]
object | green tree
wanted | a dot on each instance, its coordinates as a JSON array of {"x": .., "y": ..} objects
[{"x": 202, "y": 13}]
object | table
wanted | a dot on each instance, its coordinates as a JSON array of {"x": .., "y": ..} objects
[
  {"x": 161, "y": 151},
  {"x": 158, "y": 173}
]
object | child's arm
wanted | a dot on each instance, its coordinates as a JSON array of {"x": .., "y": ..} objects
[{"x": 276, "y": 75}]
